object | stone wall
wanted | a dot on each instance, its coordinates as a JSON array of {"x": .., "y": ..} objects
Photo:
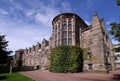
[{"x": 70, "y": 29}]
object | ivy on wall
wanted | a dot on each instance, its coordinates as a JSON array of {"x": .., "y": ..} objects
[{"x": 66, "y": 59}]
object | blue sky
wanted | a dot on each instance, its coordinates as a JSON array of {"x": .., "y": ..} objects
[{"x": 26, "y": 22}]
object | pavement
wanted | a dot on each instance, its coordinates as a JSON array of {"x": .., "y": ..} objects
[{"x": 45, "y": 75}]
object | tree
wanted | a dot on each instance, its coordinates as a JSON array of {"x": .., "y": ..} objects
[
  {"x": 118, "y": 2},
  {"x": 3, "y": 50},
  {"x": 115, "y": 31}
]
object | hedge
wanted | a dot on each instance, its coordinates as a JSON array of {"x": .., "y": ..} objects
[{"x": 66, "y": 59}]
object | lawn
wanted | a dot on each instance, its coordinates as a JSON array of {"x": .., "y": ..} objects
[{"x": 14, "y": 77}]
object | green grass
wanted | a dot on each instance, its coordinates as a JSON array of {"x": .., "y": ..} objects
[{"x": 14, "y": 77}]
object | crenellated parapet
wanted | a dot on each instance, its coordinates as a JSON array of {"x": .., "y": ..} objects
[{"x": 37, "y": 55}]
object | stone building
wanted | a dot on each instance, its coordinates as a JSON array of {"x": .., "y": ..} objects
[
  {"x": 70, "y": 29},
  {"x": 117, "y": 57},
  {"x": 18, "y": 57}
]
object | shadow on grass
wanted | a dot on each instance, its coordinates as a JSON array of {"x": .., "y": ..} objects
[
  {"x": 3, "y": 77},
  {"x": 116, "y": 76},
  {"x": 7, "y": 69}
]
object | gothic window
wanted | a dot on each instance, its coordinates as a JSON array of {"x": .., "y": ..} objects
[
  {"x": 70, "y": 41},
  {"x": 55, "y": 30},
  {"x": 64, "y": 21},
  {"x": 70, "y": 34},
  {"x": 64, "y": 27},
  {"x": 64, "y": 41},
  {"x": 58, "y": 42},
  {"x": 58, "y": 29},
  {"x": 69, "y": 27},
  {"x": 55, "y": 43},
  {"x": 58, "y": 35},
  {"x": 64, "y": 34}
]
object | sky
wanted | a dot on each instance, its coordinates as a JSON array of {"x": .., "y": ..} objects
[{"x": 26, "y": 22}]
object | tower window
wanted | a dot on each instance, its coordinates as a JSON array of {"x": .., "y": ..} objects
[
  {"x": 70, "y": 41},
  {"x": 64, "y": 34},
  {"x": 64, "y": 27},
  {"x": 64, "y": 41},
  {"x": 69, "y": 27},
  {"x": 70, "y": 34}
]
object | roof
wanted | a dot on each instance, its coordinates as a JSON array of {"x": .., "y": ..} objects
[{"x": 64, "y": 14}]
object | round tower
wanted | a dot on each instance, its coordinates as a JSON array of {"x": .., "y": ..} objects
[{"x": 66, "y": 29}]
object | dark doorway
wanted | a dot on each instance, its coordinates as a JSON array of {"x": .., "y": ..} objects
[{"x": 90, "y": 66}]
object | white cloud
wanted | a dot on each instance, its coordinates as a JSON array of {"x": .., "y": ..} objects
[
  {"x": 66, "y": 6},
  {"x": 26, "y": 36},
  {"x": 20, "y": 32},
  {"x": 115, "y": 42},
  {"x": 4, "y": 12},
  {"x": 29, "y": 13},
  {"x": 108, "y": 22},
  {"x": 41, "y": 18},
  {"x": 87, "y": 22}
]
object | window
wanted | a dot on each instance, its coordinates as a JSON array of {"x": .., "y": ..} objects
[
  {"x": 64, "y": 41},
  {"x": 55, "y": 36},
  {"x": 90, "y": 55},
  {"x": 64, "y": 34},
  {"x": 69, "y": 34},
  {"x": 64, "y": 27},
  {"x": 58, "y": 42},
  {"x": 69, "y": 41},
  {"x": 58, "y": 35},
  {"x": 90, "y": 66},
  {"x": 58, "y": 28},
  {"x": 55, "y": 43},
  {"x": 69, "y": 27}
]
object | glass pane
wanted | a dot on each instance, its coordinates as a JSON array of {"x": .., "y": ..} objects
[
  {"x": 70, "y": 27},
  {"x": 64, "y": 41},
  {"x": 69, "y": 41},
  {"x": 70, "y": 34},
  {"x": 64, "y": 27},
  {"x": 64, "y": 34}
]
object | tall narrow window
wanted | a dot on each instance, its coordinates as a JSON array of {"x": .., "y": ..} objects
[
  {"x": 69, "y": 34},
  {"x": 64, "y": 27},
  {"x": 70, "y": 41},
  {"x": 58, "y": 35},
  {"x": 64, "y": 34},
  {"x": 64, "y": 41},
  {"x": 69, "y": 27}
]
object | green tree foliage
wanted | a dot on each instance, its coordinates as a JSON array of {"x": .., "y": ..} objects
[
  {"x": 118, "y": 2},
  {"x": 85, "y": 53},
  {"x": 66, "y": 59},
  {"x": 115, "y": 31},
  {"x": 3, "y": 50}
]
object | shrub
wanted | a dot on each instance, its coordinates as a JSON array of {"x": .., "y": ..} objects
[{"x": 66, "y": 59}]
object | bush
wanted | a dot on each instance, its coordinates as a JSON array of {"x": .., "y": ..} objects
[{"x": 66, "y": 59}]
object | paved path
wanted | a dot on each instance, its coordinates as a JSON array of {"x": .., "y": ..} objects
[{"x": 44, "y": 75}]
